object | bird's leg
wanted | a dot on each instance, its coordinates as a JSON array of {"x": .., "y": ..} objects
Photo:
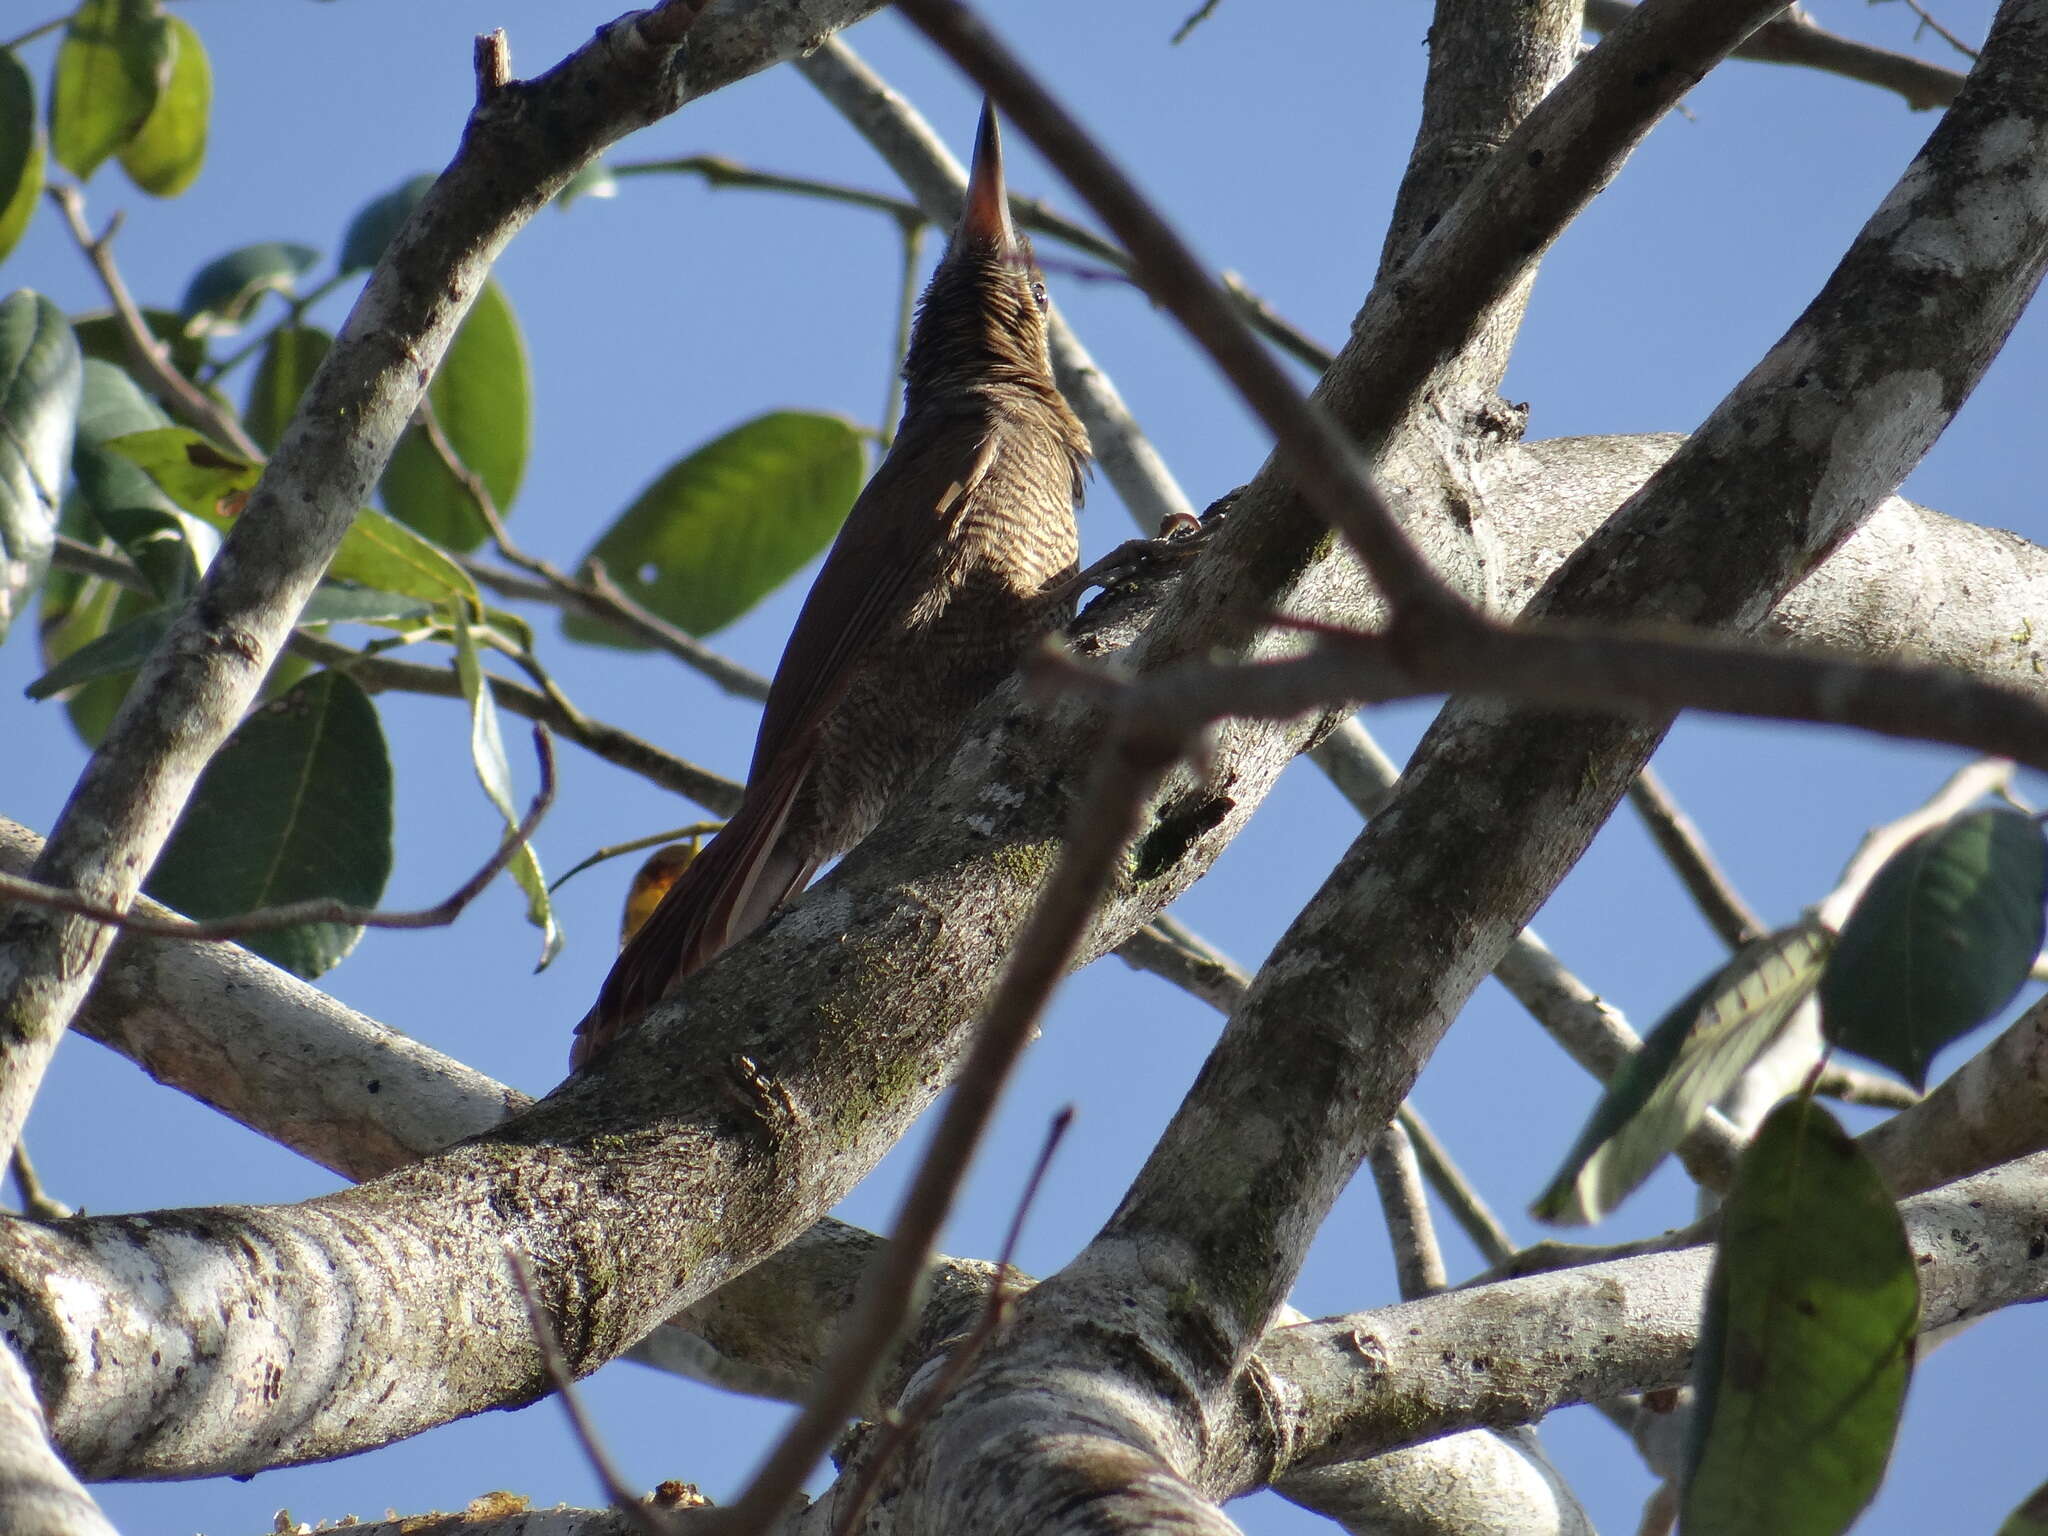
[{"x": 1180, "y": 535}]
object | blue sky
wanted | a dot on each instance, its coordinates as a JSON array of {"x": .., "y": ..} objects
[{"x": 1276, "y": 136}]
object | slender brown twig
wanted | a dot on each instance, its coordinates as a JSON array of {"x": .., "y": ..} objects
[
  {"x": 1686, "y": 851},
  {"x": 297, "y": 913},
  {"x": 563, "y": 1381},
  {"x": 597, "y": 596},
  {"x": 898, "y": 1432},
  {"x": 1795, "y": 38},
  {"x": 150, "y": 355}
]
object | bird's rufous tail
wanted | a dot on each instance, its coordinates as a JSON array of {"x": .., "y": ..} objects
[{"x": 723, "y": 894}]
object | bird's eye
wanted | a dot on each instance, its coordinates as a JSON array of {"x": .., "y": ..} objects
[{"x": 1038, "y": 294}]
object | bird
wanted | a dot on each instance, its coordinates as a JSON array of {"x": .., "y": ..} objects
[{"x": 957, "y": 558}]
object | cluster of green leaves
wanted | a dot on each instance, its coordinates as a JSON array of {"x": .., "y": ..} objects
[
  {"x": 130, "y": 83},
  {"x": 1807, "y": 1339},
  {"x": 299, "y": 803}
]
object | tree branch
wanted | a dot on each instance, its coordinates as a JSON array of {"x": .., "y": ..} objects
[{"x": 1796, "y": 38}]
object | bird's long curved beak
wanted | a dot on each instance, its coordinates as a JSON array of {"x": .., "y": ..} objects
[{"x": 985, "y": 218}]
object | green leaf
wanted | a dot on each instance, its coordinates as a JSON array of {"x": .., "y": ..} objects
[
  {"x": 21, "y": 151},
  {"x": 221, "y": 293},
  {"x": 494, "y": 772},
  {"x": 41, "y": 380},
  {"x": 1692, "y": 1057},
  {"x": 75, "y": 612},
  {"x": 377, "y": 222},
  {"x": 388, "y": 556},
  {"x": 113, "y": 63},
  {"x": 186, "y": 466},
  {"x": 722, "y": 528},
  {"x": 2031, "y": 1518},
  {"x": 101, "y": 335},
  {"x": 120, "y": 650},
  {"x": 290, "y": 359},
  {"x": 334, "y": 604},
  {"x": 594, "y": 180},
  {"x": 484, "y": 403},
  {"x": 164, "y": 157},
  {"x": 296, "y": 805},
  {"x": 1807, "y": 1342},
  {"x": 169, "y": 548},
  {"x": 1942, "y": 940}
]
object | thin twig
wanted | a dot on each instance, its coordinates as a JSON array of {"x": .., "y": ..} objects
[
  {"x": 1029, "y": 213},
  {"x": 1456, "y": 1190},
  {"x": 1396, "y": 1173},
  {"x": 906, "y": 314},
  {"x": 42, "y": 30},
  {"x": 298, "y": 913},
  {"x": 1201, "y": 14},
  {"x": 1928, "y": 23},
  {"x": 1686, "y": 851},
  {"x": 563, "y": 1381},
  {"x": 35, "y": 1200},
  {"x": 693, "y": 831},
  {"x": 1793, "y": 37},
  {"x": 1852, "y": 1085},
  {"x": 598, "y": 596},
  {"x": 150, "y": 355},
  {"x": 897, "y": 1434},
  {"x": 381, "y": 674}
]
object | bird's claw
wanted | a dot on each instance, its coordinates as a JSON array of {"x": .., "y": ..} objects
[{"x": 1181, "y": 534}]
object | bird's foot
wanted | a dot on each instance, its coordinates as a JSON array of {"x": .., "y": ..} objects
[{"x": 1180, "y": 536}]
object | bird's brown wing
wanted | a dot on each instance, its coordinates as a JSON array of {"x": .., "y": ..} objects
[
  {"x": 898, "y": 531},
  {"x": 880, "y": 563}
]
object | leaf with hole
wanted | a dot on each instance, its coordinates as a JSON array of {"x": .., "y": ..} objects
[
  {"x": 221, "y": 293},
  {"x": 111, "y": 67},
  {"x": 494, "y": 772},
  {"x": 21, "y": 151},
  {"x": 290, "y": 357},
  {"x": 1943, "y": 939},
  {"x": 483, "y": 402},
  {"x": 164, "y": 156},
  {"x": 1692, "y": 1057},
  {"x": 1807, "y": 1342},
  {"x": 726, "y": 525},
  {"x": 296, "y": 806},
  {"x": 41, "y": 387},
  {"x": 377, "y": 223}
]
